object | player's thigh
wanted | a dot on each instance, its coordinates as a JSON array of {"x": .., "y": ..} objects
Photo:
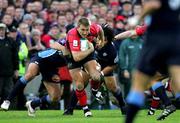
[
  {"x": 86, "y": 77},
  {"x": 91, "y": 66},
  {"x": 32, "y": 71},
  {"x": 54, "y": 90},
  {"x": 175, "y": 74},
  {"x": 76, "y": 74},
  {"x": 78, "y": 78},
  {"x": 111, "y": 83}
]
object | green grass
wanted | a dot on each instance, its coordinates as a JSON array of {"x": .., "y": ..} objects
[{"x": 99, "y": 116}]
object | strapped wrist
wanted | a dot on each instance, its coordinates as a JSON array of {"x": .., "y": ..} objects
[{"x": 102, "y": 73}]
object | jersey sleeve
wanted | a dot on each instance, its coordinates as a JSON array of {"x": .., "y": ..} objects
[
  {"x": 73, "y": 41},
  {"x": 46, "y": 40}
]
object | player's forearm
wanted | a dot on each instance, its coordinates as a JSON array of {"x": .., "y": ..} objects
[
  {"x": 101, "y": 37},
  {"x": 125, "y": 34},
  {"x": 57, "y": 46},
  {"x": 60, "y": 47},
  {"x": 80, "y": 55}
]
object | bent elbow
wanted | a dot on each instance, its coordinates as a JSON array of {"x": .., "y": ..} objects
[{"x": 76, "y": 59}]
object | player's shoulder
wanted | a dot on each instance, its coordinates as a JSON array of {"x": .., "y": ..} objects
[
  {"x": 95, "y": 27},
  {"x": 73, "y": 31},
  {"x": 46, "y": 37}
]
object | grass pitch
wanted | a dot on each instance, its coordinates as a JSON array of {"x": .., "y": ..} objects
[{"x": 99, "y": 116}]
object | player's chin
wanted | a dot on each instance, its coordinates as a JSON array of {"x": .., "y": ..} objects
[
  {"x": 56, "y": 78},
  {"x": 83, "y": 36}
]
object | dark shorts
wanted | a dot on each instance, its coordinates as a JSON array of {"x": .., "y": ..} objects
[
  {"x": 103, "y": 65},
  {"x": 72, "y": 64},
  {"x": 49, "y": 65},
  {"x": 159, "y": 51}
]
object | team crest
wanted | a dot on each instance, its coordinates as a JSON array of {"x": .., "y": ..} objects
[
  {"x": 104, "y": 54},
  {"x": 75, "y": 43}
]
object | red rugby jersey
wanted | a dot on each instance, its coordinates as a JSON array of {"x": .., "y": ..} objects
[{"x": 73, "y": 37}]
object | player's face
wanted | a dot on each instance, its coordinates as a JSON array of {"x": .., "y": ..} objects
[{"x": 83, "y": 30}]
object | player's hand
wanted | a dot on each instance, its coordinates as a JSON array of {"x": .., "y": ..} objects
[
  {"x": 126, "y": 74},
  {"x": 91, "y": 47},
  {"x": 98, "y": 67},
  {"x": 100, "y": 44},
  {"x": 16, "y": 74}
]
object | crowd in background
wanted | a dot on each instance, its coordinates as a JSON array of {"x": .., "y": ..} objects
[{"x": 34, "y": 24}]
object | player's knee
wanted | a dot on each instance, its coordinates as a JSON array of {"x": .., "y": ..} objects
[
  {"x": 55, "y": 98},
  {"x": 96, "y": 76}
]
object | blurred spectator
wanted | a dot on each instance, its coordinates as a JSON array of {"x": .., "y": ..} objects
[
  {"x": 28, "y": 19},
  {"x": 103, "y": 10},
  {"x": 126, "y": 10},
  {"x": 8, "y": 62},
  {"x": 63, "y": 6},
  {"x": 101, "y": 21},
  {"x": 115, "y": 7},
  {"x": 81, "y": 11},
  {"x": 29, "y": 7},
  {"x": 8, "y": 20},
  {"x": 62, "y": 22},
  {"x": 46, "y": 3},
  {"x": 19, "y": 3},
  {"x": 110, "y": 16},
  {"x": 22, "y": 55},
  {"x": 93, "y": 18},
  {"x": 110, "y": 23},
  {"x": 128, "y": 55},
  {"x": 1, "y": 9},
  {"x": 39, "y": 24},
  {"x": 19, "y": 12},
  {"x": 55, "y": 5},
  {"x": 36, "y": 44},
  {"x": 119, "y": 24},
  {"x": 38, "y": 6},
  {"x": 5, "y": 4},
  {"x": 23, "y": 33},
  {"x": 70, "y": 17},
  {"x": 51, "y": 18},
  {"x": 52, "y": 36},
  {"x": 118, "y": 28},
  {"x": 12, "y": 33},
  {"x": 74, "y": 5},
  {"x": 137, "y": 8},
  {"x": 86, "y": 4},
  {"x": 10, "y": 10},
  {"x": 95, "y": 9}
]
